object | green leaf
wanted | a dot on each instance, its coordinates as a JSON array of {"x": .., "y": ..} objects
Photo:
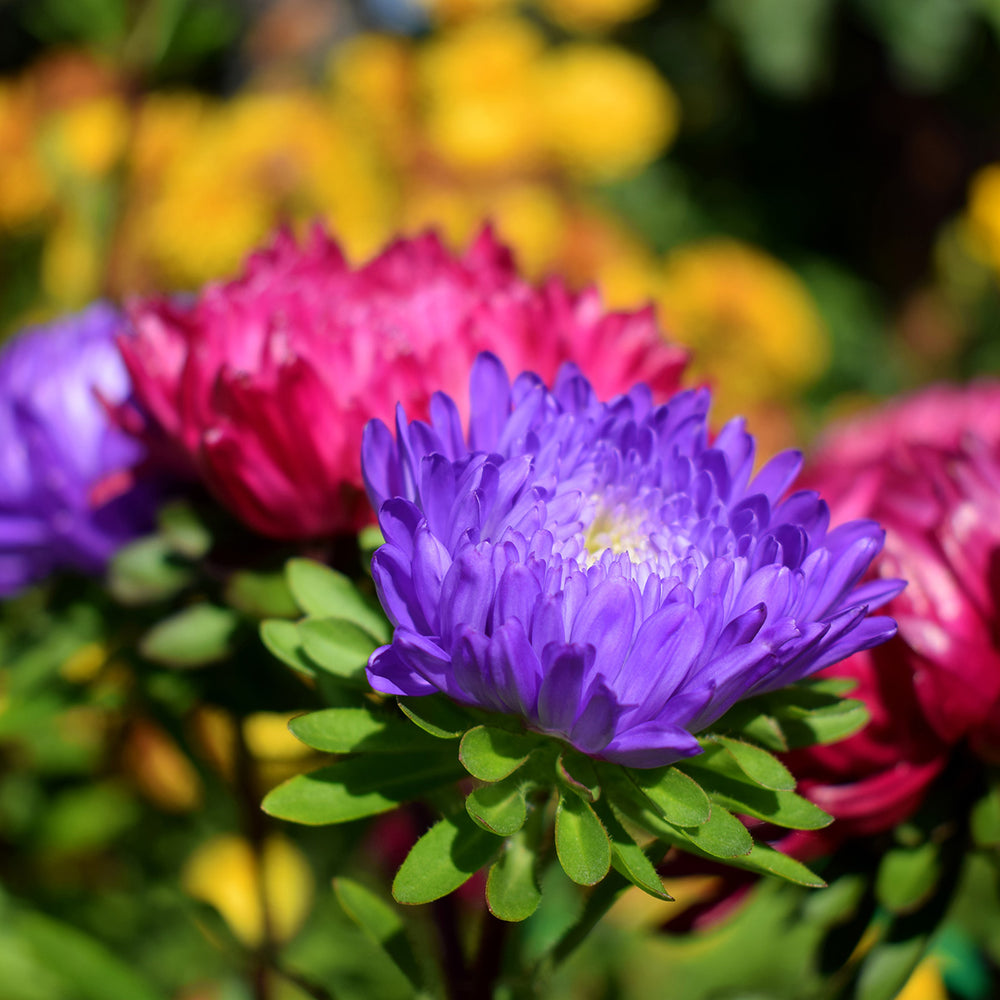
[
  {"x": 360, "y": 729},
  {"x": 490, "y": 754},
  {"x": 146, "y": 571},
  {"x": 578, "y": 774},
  {"x": 722, "y": 836},
  {"x": 194, "y": 637},
  {"x": 322, "y": 592},
  {"x": 758, "y": 765},
  {"x": 676, "y": 796},
  {"x": 444, "y": 858},
  {"x": 183, "y": 531},
  {"x": 907, "y": 876},
  {"x": 380, "y": 923},
  {"x": 282, "y": 640},
  {"x": 261, "y": 594},
  {"x": 764, "y": 729},
  {"x": 628, "y": 858},
  {"x": 512, "y": 892},
  {"x": 92, "y": 970},
  {"x": 499, "y": 808},
  {"x": 437, "y": 715},
  {"x": 338, "y": 646},
  {"x": 828, "y": 725},
  {"x": 360, "y": 786},
  {"x": 888, "y": 966},
  {"x": 582, "y": 843}
]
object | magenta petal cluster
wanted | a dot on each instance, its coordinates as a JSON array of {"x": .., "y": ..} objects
[
  {"x": 58, "y": 448},
  {"x": 603, "y": 570},
  {"x": 263, "y": 385}
]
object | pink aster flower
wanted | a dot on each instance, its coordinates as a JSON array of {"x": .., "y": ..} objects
[
  {"x": 927, "y": 468},
  {"x": 262, "y": 385}
]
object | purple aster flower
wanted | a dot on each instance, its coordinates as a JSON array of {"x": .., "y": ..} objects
[
  {"x": 604, "y": 571},
  {"x": 57, "y": 446}
]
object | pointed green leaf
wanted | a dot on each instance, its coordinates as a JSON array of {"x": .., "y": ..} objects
[
  {"x": 444, "y": 858},
  {"x": 198, "y": 635},
  {"x": 907, "y": 876},
  {"x": 512, "y": 892},
  {"x": 804, "y": 729},
  {"x": 360, "y": 786},
  {"x": 489, "y": 753},
  {"x": 338, "y": 646},
  {"x": 282, "y": 640},
  {"x": 381, "y": 924},
  {"x": 437, "y": 715},
  {"x": 582, "y": 843},
  {"x": 627, "y": 857},
  {"x": 676, "y": 796},
  {"x": 757, "y": 764},
  {"x": 499, "y": 808},
  {"x": 732, "y": 790},
  {"x": 356, "y": 729},
  {"x": 723, "y": 836},
  {"x": 578, "y": 774},
  {"x": 324, "y": 593},
  {"x": 767, "y": 861},
  {"x": 764, "y": 729}
]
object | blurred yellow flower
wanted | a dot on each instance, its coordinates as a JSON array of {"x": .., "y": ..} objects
[
  {"x": 88, "y": 139},
  {"x": 267, "y": 737},
  {"x": 72, "y": 261},
  {"x": 160, "y": 770},
  {"x": 925, "y": 983},
  {"x": 225, "y": 872},
  {"x": 25, "y": 191},
  {"x": 476, "y": 83},
  {"x": 84, "y": 664},
  {"x": 983, "y": 214},
  {"x": 752, "y": 326},
  {"x": 605, "y": 112},
  {"x": 594, "y": 15}
]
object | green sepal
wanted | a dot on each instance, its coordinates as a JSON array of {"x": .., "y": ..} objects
[
  {"x": 322, "y": 592},
  {"x": 381, "y": 924},
  {"x": 499, "y": 808},
  {"x": 437, "y": 715},
  {"x": 766, "y": 860},
  {"x": 674, "y": 795},
  {"x": 282, "y": 640},
  {"x": 512, "y": 891},
  {"x": 578, "y": 774},
  {"x": 757, "y": 764},
  {"x": 490, "y": 753},
  {"x": 824, "y": 725},
  {"x": 582, "y": 843},
  {"x": 908, "y": 876},
  {"x": 146, "y": 571},
  {"x": 338, "y": 646},
  {"x": 360, "y": 786},
  {"x": 444, "y": 858},
  {"x": 728, "y": 785},
  {"x": 198, "y": 635},
  {"x": 360, "y": 729},
  {"x": 627, "y": 857}
]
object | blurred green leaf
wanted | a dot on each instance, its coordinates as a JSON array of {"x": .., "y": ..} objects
[
  {"x": 261, "y": 594},
  {"x": 198, "y": 635},
  {"x": 183, "y": 530},
  {"x": 907, "y": 876},
  {"x": 147, "y": 570},
  {"x": 444, "y": 858},
  {"x": 283, "y": 641},
  {"x": 381, "y": 924},
  {"x": 87, "y": 817},
  {"x": 985, "y": 818},
  {"x": 322, "y": 592},
  {"x": 888, "y": 966}
]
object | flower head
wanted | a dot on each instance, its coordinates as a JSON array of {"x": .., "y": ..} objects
[
  {"x": 603, "y": 570},
  {"x": 58, "y": 445},
  {"x": 263, "y": 385},
  {"x": 928, "y": 467}
]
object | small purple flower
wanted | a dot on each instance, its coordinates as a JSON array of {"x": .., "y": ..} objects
[
  {"x": 602, "y": 570},
  {"x": 57, "y": 445}
]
